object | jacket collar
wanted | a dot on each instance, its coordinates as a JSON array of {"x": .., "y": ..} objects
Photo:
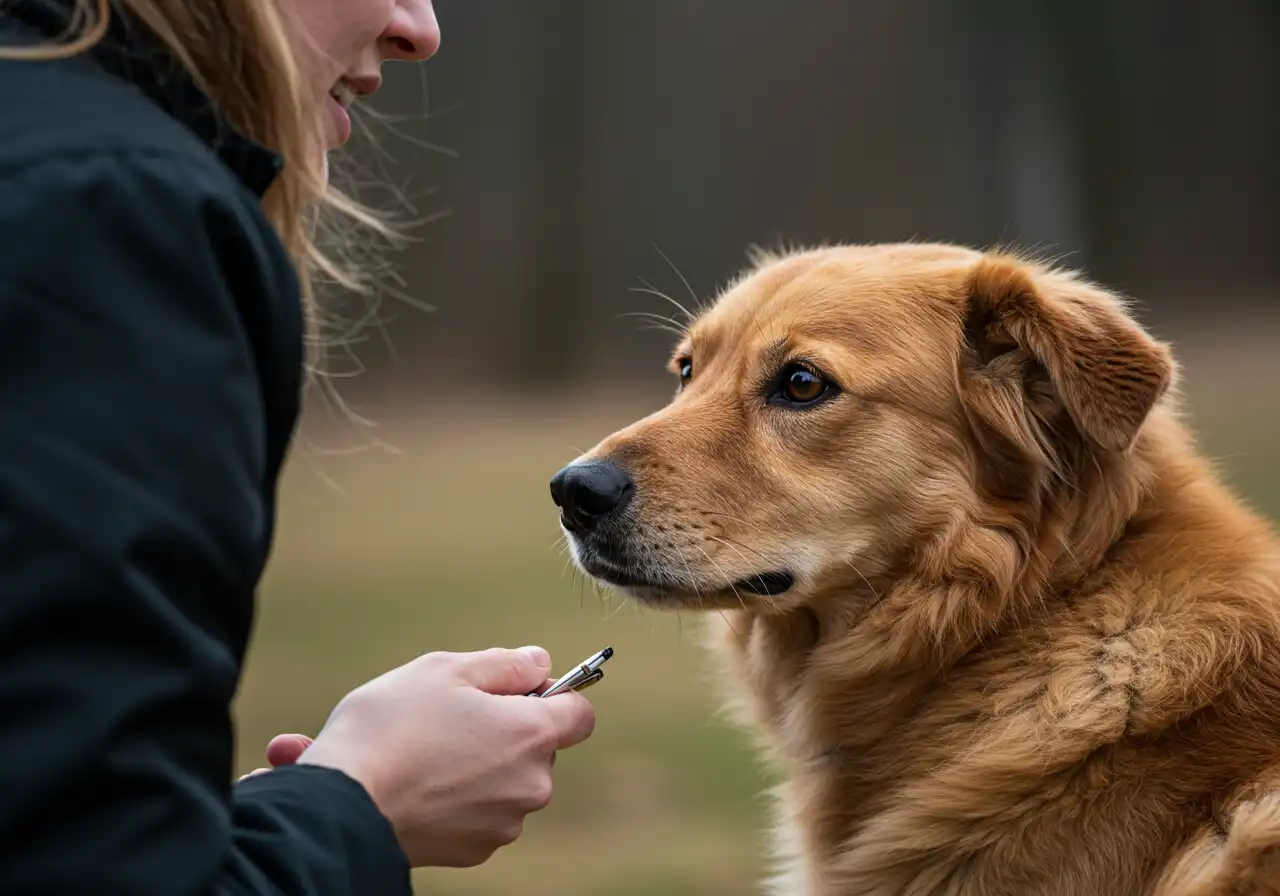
[{"x": 132, "y": 54}]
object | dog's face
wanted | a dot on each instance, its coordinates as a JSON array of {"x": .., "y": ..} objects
[{"x": 834, "y": 407}]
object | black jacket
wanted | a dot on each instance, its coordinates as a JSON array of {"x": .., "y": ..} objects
[{"x": 150, "y": 366}]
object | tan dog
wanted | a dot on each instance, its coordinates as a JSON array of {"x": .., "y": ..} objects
[{"x": 1003, "y": 628}]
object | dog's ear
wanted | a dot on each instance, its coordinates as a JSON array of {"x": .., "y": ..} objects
[{"x": 1106, "y": 372}]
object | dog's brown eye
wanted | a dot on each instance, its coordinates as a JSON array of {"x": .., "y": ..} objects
[
  {"x": 801, "y": 385},
  {"x": 686, "y": 370}
]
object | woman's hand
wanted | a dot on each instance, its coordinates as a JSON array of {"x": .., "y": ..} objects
[{"x": 450, "y": 749}]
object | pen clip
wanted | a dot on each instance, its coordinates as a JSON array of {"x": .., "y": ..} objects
[{"x": 589, "y": 680}]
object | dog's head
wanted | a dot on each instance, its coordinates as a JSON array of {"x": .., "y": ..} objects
[{"x": 837, "y": 408}]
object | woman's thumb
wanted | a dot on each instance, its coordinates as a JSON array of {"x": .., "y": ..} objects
[
  {"x": 285, "y": 749},
  {"x": 509, "y": 672}
]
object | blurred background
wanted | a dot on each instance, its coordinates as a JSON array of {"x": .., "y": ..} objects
[{"x": 561, "y": 155}]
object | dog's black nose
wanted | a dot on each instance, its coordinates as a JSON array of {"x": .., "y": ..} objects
[{"x": 587, "y": 491}]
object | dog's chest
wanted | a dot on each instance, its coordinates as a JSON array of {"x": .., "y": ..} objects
[
  {"x": 990, "y": 782},
  {"x": 1000, "y": 827}
]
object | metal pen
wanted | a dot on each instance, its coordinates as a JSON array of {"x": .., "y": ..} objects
[{"x": 581, "y": 677}]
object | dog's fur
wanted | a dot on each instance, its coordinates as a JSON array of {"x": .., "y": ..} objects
[{"x": 1033, "y": 643}]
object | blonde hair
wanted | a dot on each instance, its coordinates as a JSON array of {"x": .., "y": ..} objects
[{"x": 238, "y": 52}]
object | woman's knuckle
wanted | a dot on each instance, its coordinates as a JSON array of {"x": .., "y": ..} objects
[
  {"x": 540, "y": 793},
  {"x": 478, "y": 853},
  {"x": 533, "y": 791},
  {"x": 510, "y": 833},
  {"x": 435, "y": 662},
  {"x": 535, "y": 729}
]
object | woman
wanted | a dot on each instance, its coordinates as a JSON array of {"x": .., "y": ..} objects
[{"x": 161, "y": 166}]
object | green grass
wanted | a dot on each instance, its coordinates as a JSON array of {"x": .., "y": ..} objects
[{"x": 452, "y": 545}]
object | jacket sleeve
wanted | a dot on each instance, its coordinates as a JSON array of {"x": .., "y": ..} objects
[{"x": 135, "y": 519}]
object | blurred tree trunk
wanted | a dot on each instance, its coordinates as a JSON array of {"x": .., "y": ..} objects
[
  {"x": 1215, "y": 143},
  {"x": 554, "y": 121},
  {"x": 1020, "y": 129},
  {"x": 1098, "y": 78}
]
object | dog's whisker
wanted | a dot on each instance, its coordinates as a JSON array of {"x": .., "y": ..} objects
[
  {"x": 618, "y": 609},
  {"x": 725, "y": 515},
  {"x": 693, "y": 581},
  {"x": 644, "y": 328},
  {"x": 737, "y": 546},
  {"x": 658, "y": 322},
  {"x": 693, "y": 295},
  {"x": 741, "y": 639},
  {"x": 652, "y": 315},
  {"x": 733, "y": 547},
  {"x": 773, "y": 602},
  {"x": 867, "y": 581},
  {"x": 657, "y": 293},
  {"x": 724, "y": 575}
]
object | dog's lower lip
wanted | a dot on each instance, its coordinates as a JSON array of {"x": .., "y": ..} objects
[
  {"x": 622, "y": 580},
  {"x": 604, "y": 569},
  {"x": 600, "y": 562},
  {"x": 768, "y": 584}
]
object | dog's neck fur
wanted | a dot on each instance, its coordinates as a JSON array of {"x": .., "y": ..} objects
[{"x": 978, "y": 582}]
